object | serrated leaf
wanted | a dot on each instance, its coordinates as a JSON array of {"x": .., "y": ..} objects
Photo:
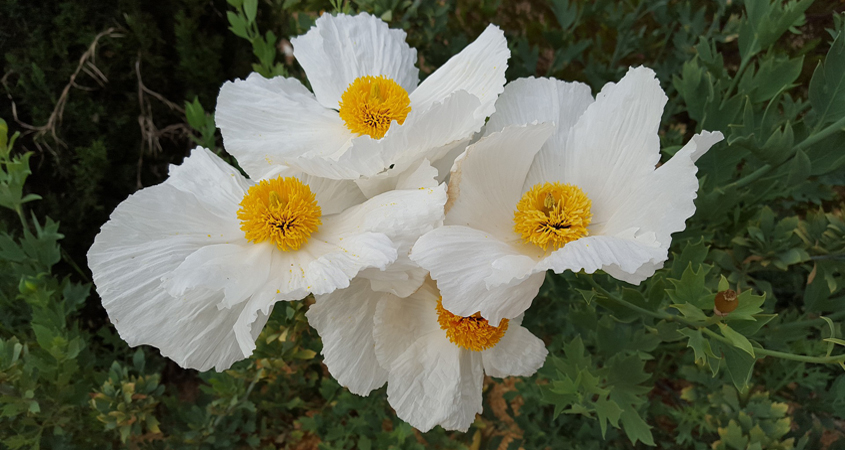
[
  {"x": 699, "y": 344},
  {"x": 738, "y": 362},
  {"x": 691, "y": 288},
  {"x": 607, "y": 411},
  {"x": 636, "y": 428},
  {"x": 748, "y": 305}
]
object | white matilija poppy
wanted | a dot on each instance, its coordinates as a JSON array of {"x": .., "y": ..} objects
[
  {"x": 367, "y": 113},
  {"x": 432, "y": 360},
  {"x": 194, "y": 265},
  {"x": 587, "y": 198}
]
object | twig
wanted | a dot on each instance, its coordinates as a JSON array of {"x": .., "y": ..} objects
[{"x": 86, "y": 64}]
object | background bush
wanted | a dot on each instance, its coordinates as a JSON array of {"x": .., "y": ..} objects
[{"x": 106, "y": 94}]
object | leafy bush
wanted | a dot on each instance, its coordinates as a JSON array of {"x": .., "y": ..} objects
[{"x": 629, "y": 366}]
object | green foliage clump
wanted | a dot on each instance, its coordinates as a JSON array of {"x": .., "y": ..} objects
[{"x": 107, "y": 94}]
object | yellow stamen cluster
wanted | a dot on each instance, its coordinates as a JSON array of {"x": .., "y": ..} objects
[
  {"x": 371, "y": 104},
  {"x": 282, "y": 210},
  {"x": 552, "y": 214},
  {"x": 473, "y": 332}
]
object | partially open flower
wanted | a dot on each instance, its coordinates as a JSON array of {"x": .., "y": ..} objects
[
  {"x": 366, "y": 114},
  {"x": 577, "y": 191},
  {"x": 194, "y": 265},
  {"x": 432, "y": 360}
]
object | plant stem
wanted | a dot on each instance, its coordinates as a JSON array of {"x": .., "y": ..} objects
[
  {"x": 782, "y": 355},
  {"x": 703, "y": 327},
  {"x": 839, "y": 125}
]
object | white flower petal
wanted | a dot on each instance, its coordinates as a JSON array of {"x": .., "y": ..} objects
[
  {"x": 528, "y": 100},
  {"x": 339, "y": 49},
  {"x": 478, "y": 69},
  {"x": 425, "y": 134},
  {"x": 431, "y": 381},
  {"x": 329, "y": 260},
  {"x": 435, "y": 382},
  {"x": 147, "y": 237},
  {"x": 399, "y": 322},
  {"x": 270, "y": 122},
  {"x": 615, "y": 142},
  {"x": 333, "y": 196},
  {"x": 662, "y": 201},
  {"x": 403, "y": 276},
  {"x": 239, "y": 270},
  {"x": 344, "y": 320},
  {"x": 487, "y": 182},
  {"x": 518, "y": 353},
  {"x": 626, "y": 252},
  {"x": 462, "y": 260}
]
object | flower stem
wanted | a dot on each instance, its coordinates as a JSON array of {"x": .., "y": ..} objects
[{"x": 703, "y": 327}]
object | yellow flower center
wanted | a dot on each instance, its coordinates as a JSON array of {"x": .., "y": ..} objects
[
  {"x": 371, "y": 104},
  {"x": 473, "y": 332},
  {"x": 552, "y": 214},
  {"x": 282, "y": 210}
]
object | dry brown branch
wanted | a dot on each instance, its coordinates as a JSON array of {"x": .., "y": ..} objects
[
  {"x": 87, "y": 65},
  {"x": 150, "y": 134}
]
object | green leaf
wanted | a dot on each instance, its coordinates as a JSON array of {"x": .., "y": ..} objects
[
  {"x": 799, "y": 169},
  {"x": 691, "y": 288},
  {"x": 723, "y": 284},
  {"x": 238, "y": 26},
  {"x": 738, "y": 362},
  {"x": 251, "y": 10},
  {"x": 739, "y": 341},
  {"x": 691, "y": 312},
  {"x": 4, "y": 135},
  {"x": 827, "y": 87},
  {"x": 699, "y": 345},
  {"x": 748, "y": 306},
  {"x": 636, "y": 428},
  {"x": 607, "y": 411},
  {"x": 766, "y": 21}
]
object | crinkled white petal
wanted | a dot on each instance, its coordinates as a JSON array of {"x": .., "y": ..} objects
[
  {"x": 404, "y": 276},
  {"x": 462, "y": 260},
  {"x": 528, "y": 100},
  {"x": 266, "y": 123},
  {"x": 425, "y": 134},
  {"x": 431, "y": 381},
  {"x": 487, "y": 182},
  {"x": 238, "y": 270},
  {"x": 626, "y": 252},
  {"x": 344, "y": 320},
  {"x": 333, "y": 196},
  {"x": 478, "y": 69},
  {"x": 615, "y": 144},
  {"x": 519, "y": 353},
  {"x": 147, "y": 237},
  {"x": 339, "y": 49},
  {"x": 662, "y": 201}
]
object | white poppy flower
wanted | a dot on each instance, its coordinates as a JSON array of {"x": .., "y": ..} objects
[
  {"x": 432, "y": 360},
  {"x": 194, "y": 265},
  {"x": 367, "y": 113},
  {"x": 587, "y": 198}
]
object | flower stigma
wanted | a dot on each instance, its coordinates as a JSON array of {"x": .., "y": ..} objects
[
  {"x": 473, "y": 332},
  {"x": 370, "y": 104},
  {"x": 552, "y": 214},
  {"x": 282, "y": 210}
]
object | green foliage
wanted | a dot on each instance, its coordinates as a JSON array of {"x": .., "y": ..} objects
[{"x": 647, "y": 365}]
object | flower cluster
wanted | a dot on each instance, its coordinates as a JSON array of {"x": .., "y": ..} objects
[{"x": 422, "y": 217}]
